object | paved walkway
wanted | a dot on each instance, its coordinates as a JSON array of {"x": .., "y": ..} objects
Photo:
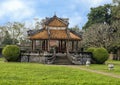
[{"x": 94, "y": 71}]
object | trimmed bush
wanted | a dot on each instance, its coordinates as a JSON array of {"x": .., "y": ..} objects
[
  {"x": 100, "y": 55},
  {"x": 11, "y": 52},
  {"x": 91, "y": 49}
]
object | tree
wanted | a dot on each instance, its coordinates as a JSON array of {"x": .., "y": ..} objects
[
  {"x": 116, "y": 10},
  {"x": 101, "y": 14},
  {"x": 100, "y": 35},
  {"x": 103, "y": 30},
  {"x": 7, "y": 39},
  {"x": 116, "y": 42},
  {"x": 16, "y": 31},
  {"x": 37, "y": 24},
  {"x": 116, "y": 2},
  {"x": 75, "y": 28}
]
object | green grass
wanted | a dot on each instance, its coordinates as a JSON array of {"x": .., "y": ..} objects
[
  {"x": 115, "y": 62},
  {"x": 104, "y": 67},
  {"x": 38, "y": 74}
]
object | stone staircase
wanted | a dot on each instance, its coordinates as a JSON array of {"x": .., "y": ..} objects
[{"x": 61, "y": 59}]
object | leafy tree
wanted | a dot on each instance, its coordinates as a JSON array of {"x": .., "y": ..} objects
[
  {"x": 15, "y": 32},
  {"x": 38, "y": 24},
  {"x": 101, "y": 14},
  {"x": 7, "y": 39},
  {"x": 100, "y": 35},
  {"x": 116, "y": 2},
  {"x": 103, "y": 35},
  {"x": 116, "y": 10},
  {"x": 116, "y": 41},
  {"x": 75, "y": 28}
]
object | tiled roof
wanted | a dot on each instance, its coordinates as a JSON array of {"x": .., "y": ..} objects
[
  {"x": 74, "y": 36},
  {"x": 55, "y": 35},
  {"x": 48, "y": 20},
  {"x": 58, "y": 34},
  {"x": 41, "y": 35}
]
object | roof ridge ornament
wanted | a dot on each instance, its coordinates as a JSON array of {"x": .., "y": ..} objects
[{"x": 55, "y": 14}]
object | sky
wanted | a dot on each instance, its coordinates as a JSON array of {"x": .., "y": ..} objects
[{"x": 28, "y": 10}]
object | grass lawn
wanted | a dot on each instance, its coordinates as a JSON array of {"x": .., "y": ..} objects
[
  {"x": 104, "y": 67},
  {"x": 38, "y": 74}
]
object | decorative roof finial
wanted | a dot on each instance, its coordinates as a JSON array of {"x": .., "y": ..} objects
[{"x": 55, "y": 14}]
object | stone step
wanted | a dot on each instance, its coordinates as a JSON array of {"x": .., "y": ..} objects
[{"x": 62, "y": 60}]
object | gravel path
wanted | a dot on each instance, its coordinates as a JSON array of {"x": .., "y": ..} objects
[{"x": 94, "y": 71}]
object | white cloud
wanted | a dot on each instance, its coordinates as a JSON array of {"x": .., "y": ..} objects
[
  {"x": 15, "y": 9},
  {"x": 79, "y": 16},
  {"x": 91, "y": 3},
  {"x": 26, "y": 10},
  {"x": 76, "y": 19},
  {"x": 94, "y": 3}
]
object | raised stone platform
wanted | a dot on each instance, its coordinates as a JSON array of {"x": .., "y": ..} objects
[{"x": 58, "y": 58}]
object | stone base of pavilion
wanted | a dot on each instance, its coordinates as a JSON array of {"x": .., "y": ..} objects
[{"x": 78, "y": 58}]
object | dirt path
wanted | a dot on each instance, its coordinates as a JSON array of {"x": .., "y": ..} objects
[{"x": 94, "y": 71}]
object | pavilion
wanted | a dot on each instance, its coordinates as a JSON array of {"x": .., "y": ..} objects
[{"x": 54, "y": 33}]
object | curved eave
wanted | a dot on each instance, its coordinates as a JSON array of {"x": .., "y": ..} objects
[{"x": 55, "y": 35}]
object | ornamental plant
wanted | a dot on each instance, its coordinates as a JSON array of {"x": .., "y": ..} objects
[
  {"x": 100, "y": 55},
  {"x": 11, "y": 52}
]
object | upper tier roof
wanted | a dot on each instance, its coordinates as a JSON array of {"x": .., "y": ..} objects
[{"x": 55, "y": 21}]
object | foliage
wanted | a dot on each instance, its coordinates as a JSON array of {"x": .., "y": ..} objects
[
  {"x": 97, "y": 35},
  {"x": 91, "y": 49},
  {"x": 116, "y": 1},
  {"x": 116, "y": 10},
  {"x": 7, "y": 39},
  {"x": 37, "y": 74},
  {"x": 103, "y": 28},
  {"x": 11, "y": 52},
  {"x": 100, "y": 55},
  {"x": 101, "y": 14},
  {"x": 14, "y": 31},
  {"x": 102, "y": 35},
  {"x": 75, "y": 28}
]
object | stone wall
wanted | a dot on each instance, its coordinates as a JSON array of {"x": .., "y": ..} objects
[
  {"x": 81, "y": 58},
  {"x": 33, "y": 58}
]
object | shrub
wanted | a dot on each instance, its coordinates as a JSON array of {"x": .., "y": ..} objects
[
  {"x": 91, "y": 49},
  {"x": 100, "y": 55},
  {"x": 11, "y": 52}
]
